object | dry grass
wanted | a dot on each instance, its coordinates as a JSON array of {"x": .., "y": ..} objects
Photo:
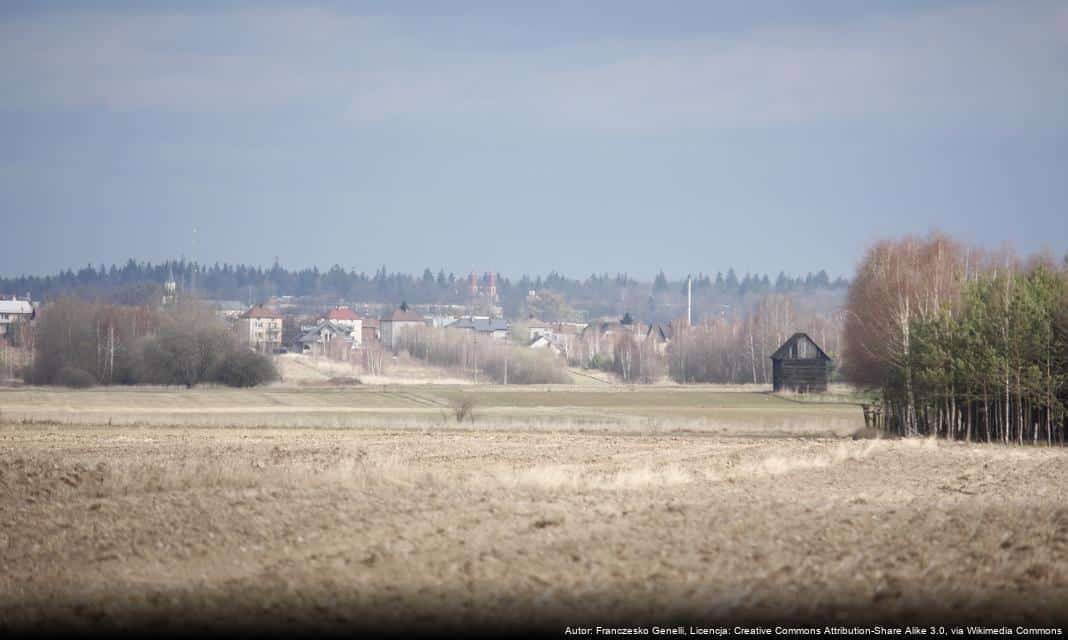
[
  {"x": 567, "y": 409},
  {"x": 302, "y": 370},
  {"x": 521, "y": 522}
]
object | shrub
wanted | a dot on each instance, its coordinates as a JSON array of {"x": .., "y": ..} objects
[
  {"x": 464, "y": 408},
  {"x": 600, "y": 363},
  {"x": 242, "y": 368},
  {"x": 80, "y": 344}
]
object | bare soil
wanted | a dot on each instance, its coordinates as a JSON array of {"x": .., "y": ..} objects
[{"x": 185, "y": 528}]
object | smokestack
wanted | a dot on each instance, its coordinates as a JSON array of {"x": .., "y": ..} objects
[{"x": 689, "y": 301}]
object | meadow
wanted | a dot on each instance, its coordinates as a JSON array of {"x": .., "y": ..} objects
[{"x": 334, "y": 508}]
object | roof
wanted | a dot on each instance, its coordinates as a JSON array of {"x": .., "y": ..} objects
[
  {"x": 342, "y": 313},
  {"x": 370, "y": 323},
  {"x": 400, "y": 315},
  {"x": 542, "y": 339},
  {"x": 16, "y": 306},
  {"x": 315, "y": 334},
  {"x": 660, "y": 332},
  {"x": 485, "y": 325},
  {"x": 262, "y": 312},
  {"x": 782, "y": 351}
]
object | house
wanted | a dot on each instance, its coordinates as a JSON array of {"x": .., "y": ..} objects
[
  {"x": 608, "y": 331},
  {"x": 393, "y": 324},
  {"x": 660, "y": 335},
  {"x": 496, "y": 328},
  {"x": 800, "y": 365},
  {"x": 343, "y": 316},
  {"x": 260, "y": 328},
  {"x": 597, "y": 340},
  {"x": 546, "y": 342},
  {"x": 14, "y": 311},
  {"x": 319, "y": 339},
  {"x": 349, "y": 319}
]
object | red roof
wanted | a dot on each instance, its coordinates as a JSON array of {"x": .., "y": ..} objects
[
  {"x": 370, "y": 323},
  {"x": 399, "y": 315},
  {"x": 342, "y": 313},
  {"x": 262, "y": 312}
]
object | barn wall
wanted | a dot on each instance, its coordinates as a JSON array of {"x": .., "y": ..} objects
[{"x": 802, "y": 375}]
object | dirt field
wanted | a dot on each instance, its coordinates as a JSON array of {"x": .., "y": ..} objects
[{"x": 341, "y": 509}]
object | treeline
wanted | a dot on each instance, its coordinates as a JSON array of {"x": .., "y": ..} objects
[
  {"x": 484, "y": 358},
  {"x": 964, "y": 344},
  {"x": 731, "y": 348},
  {"x": 81, "y": 344},
  {"x": 600, "y": 294},
  {"x": 738, "y": 350}
]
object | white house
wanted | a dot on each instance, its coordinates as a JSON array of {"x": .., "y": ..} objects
[
  {"x": 348, "y": 319},
  {"x": 14, "y": 310},
  {"x": 260, "y": 328},
  {"x": 545, "y": 342}
]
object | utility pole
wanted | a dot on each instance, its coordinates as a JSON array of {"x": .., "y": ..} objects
[
  {"x": 195, "y": 264},
  {"x": 111, "y": 351}
]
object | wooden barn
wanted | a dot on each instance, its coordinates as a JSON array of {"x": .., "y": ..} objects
[{"x": 800, "y": 365}]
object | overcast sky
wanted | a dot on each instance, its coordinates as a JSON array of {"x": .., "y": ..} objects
[{"x": 576, "y": 136}]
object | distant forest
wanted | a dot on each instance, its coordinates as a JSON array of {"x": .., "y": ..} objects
[{"x": 558, "y": 296}]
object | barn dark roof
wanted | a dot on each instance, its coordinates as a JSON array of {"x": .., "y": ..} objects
[{"x": 782, "y": 351}]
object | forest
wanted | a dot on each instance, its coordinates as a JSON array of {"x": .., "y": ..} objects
[
  {"x": 566, "y": 298},
  {"x": 963, "y": 343}
]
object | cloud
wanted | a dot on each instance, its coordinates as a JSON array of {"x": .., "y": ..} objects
[{"x": 997, "y": 60}]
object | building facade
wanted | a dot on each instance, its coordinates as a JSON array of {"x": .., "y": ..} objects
[
  {"x": 799, "y": 365},
  {"x": 260, "y": 328},
  {"x": 399, "y": 319},
  {"x": 14, "y": 311}
]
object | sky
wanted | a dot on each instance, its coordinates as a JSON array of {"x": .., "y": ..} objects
[{"x": 525, "y": 137}]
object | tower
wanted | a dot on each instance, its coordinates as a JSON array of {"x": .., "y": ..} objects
[
  {"x": 472, "y": 285},
  {"x": 170, "y": 287},
  {"x": 689, "y": 301}
]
